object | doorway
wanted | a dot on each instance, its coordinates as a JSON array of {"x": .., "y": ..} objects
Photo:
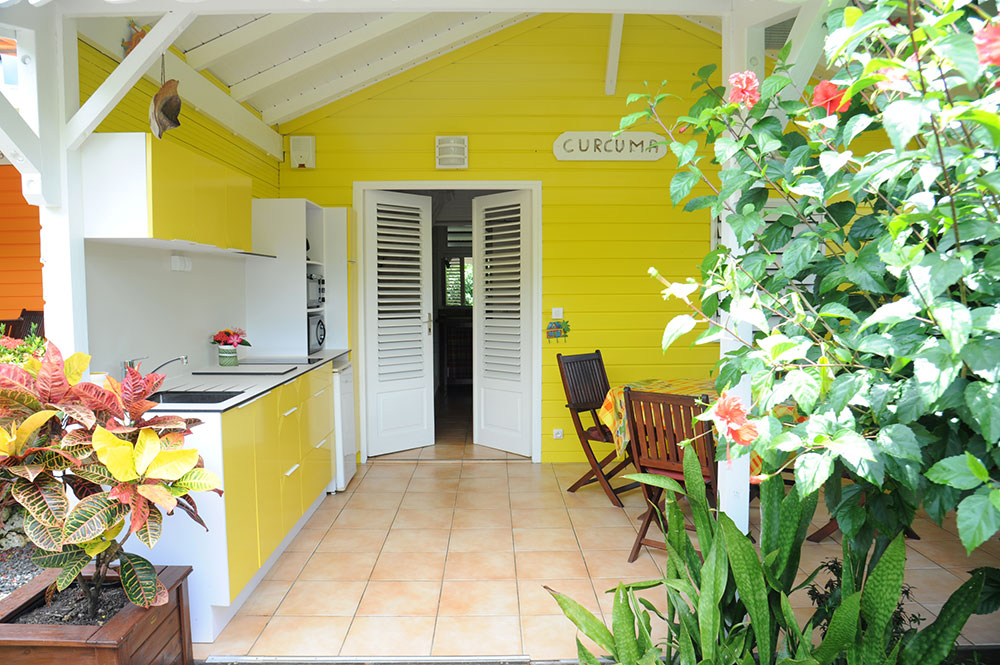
[{"x": 449, "y": 295}]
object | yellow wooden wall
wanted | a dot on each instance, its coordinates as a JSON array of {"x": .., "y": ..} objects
[
  {"x": 604, "y": 223},
  {"x": 197, "y": 131}
]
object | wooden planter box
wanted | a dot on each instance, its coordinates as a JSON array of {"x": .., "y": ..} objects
[{"x": 157, "y": 636}]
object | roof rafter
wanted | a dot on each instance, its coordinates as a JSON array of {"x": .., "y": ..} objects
[
  {"x": 317, "y": 56},
  {"x": 614, "y": 53},
  {"x": 214, "y": 50},
  {"x": 390, "y": 65}
]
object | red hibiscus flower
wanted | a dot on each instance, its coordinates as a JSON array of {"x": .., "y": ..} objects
[
  {"x": 987, "y": 43},
  {"x": 732, "y": 417},
  {"x": 745, "y": 89},
  {"x": 830, "y": 97}
]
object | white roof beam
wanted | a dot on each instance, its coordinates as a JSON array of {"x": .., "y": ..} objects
[
  {"x": 614, "y": 53},
  {"x": 806, "y": 37},
  {"x": 317, "y": 56},
  {"x": 390, "y": 65},
  {"x": 126, "y": 75},
  {"x": 683, "y": 7},
  {"x": 214, "y": 50},
  {"x": 18, "y": 141},
  {"x": 200, "y": 93}
]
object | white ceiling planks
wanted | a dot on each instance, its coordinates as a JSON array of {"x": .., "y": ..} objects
[{"x": 248, "y": 34}]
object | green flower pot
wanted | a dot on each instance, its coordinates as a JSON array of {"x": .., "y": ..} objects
[{"x": 227, "y": 356}]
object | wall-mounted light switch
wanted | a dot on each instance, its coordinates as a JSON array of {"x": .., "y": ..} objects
[
  {"x": 557, "y": 312},
  {"x": 557, "y": 433}
]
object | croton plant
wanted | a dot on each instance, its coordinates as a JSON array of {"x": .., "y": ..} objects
[{"x": 91, "y": 469}]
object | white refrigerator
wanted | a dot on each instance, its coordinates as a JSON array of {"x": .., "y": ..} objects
[{"x": 345, "y": 445}]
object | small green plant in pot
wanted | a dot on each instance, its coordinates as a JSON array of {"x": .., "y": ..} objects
[{"x": 61, "y": 437}]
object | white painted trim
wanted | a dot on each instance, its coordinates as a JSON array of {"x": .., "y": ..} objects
[
  {"x": 535, "y": 187},
  {"x": 18, "y": 141},
  {"x": 806, "y": 37},
  {"x": 376, "y": 29},
  {"x": 126, "y": 74},
  {"x": 614, "y": 53},
  {"x": 679, "y": 7},
  {"x": 206, "y": 54},
  {"x": 427, "y": 49}
]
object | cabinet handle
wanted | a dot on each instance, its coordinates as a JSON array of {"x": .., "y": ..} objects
[
  {"x": 290, "y": 411},
  {"x": 254, "y": 400},
  {"x": 320, "y": 444},
  {"x": 292, "y": 470},
  {"x": 319, "y": 393}
]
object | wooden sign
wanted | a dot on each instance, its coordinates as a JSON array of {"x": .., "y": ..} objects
[{"x": 604, "y": 147}]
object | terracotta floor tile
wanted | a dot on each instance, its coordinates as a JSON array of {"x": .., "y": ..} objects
[
  {"x": 552, "y": 638},
  {"x": 417, "y": 540},
  {"x": 614, "y": 563},
  {"x": 534, "y": 600},
  {"x": 610, "y": 516},
  {"x": 265, "y": 598},
  {"x": 394, "y": 471},
  {"x": 814, "y": 554},
  {"x": 428, "y": 518},
  {"x": 359, "y": 518},
  {"x": 287, "y": 567},
  {"x": 389, "y": 636},
  {"x": 478, "y": 598},
  {"x": 539, "y": 518},
  {"x": 477, "y": 636},
  {"x": 235, "y": 639},
  {"x": 605, "y": 537},
  {"x": 931, "y": 585},
  {"x": 322, "y": 518},
  {"x": 982, "y": 628},
  {"x": 518, "y": 484},
  {"x": 915, "y": 559},
  {"x": 443, "y": 470},
  {"x": 536, "y": 500},
  {"x": 480, "y": 540},
  {"x": 479, "y": 566},
  {"x": 339, "y": 539},
  {"x": 433, "y": 485},
  {"x": 390, "y": 485},
  {"x": 301, "y": 636},
  {"x": 482, "y": 484},
  {"x": 335, "y": 502},
  {"x": 375, "y": 500},
  {"x": 545, "y": 540},
  {"x": 951, "y": 554},
  {"x": 322, "y": 598},
  {"x": 400, "y": 598},
  {"x": 339, "y": 566},
  {"x": 546, "y": 565},
  {"x": 604, "y": 589},
  {"x": 425, "y": 500},
  {"x": 409, "y": 566},
  {"x": 572, "y": 470},
  {"x": 592, "y": 496},
  {"x": 306, "y": 540},
  {"x": 443, "y": 451},
  {"x": 483, "y": 452},
  {"x": 484, "y": 470},
  {"x": 928, "y": 530},
  {"x": 483, "y": 500},
  {"x": 526, "y": 468},
  {"x": 474, "y": 518}
]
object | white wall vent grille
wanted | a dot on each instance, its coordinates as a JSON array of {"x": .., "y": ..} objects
[{"x": 451, "y": 152}]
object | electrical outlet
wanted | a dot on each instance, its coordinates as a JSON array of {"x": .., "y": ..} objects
[{"x": 557, "y": 434}]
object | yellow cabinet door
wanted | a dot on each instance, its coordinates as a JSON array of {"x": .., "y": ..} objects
[
  {"x": 317, "y": 419},
  {"x": 318, "y": 470},
  {"x": 242, "y": 540},
  {"x": 268, "y": 460},
  {"x": 289, "y": 414}
]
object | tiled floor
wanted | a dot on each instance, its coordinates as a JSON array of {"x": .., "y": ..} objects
[{"x": 451, "y": 559}]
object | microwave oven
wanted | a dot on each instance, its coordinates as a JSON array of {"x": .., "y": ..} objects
[
  {"x": 317, "y": 333},
  {"x": 315, "y": 290}
]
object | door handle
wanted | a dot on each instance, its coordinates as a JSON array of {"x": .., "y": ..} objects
[
  {"x": 290, "y": 411},
  {"x": 319, "y": 393},
  {"x": 292, "y": 470},
  {"x": 430, "y": 323},
  {"x": 320, "y": 444}
]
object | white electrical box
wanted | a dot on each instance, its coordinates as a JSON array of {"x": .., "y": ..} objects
[{"x": 302, "y": 152}]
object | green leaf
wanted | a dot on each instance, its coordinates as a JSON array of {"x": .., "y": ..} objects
[
  {"x": 955, "y": 321},
  {"x": 891, "y": 313},
  {"x": 588, "y": 624},
  {"x": 152, "y": 528},
  {"x": 44, "y": 536},
  {"x": 959, "y": 48},
  {"x": 656, "y": 481},
  {"x": 584, "y": 655},
  {"x": 841, "y": 631},
  {"x": 684, "y": 151},
  {"x": 714, "y": 575},
  {"x": 198, "y": 480},
  {"x": 679, "y": 325},
  {"x": 699, "y": 203},
  {"x": 138, "y": 579},
  {"x": 899, "y": 441},
  {"x": 725, "y": 147},
  {"x": 955, "y": 472},
  {"x": 838, "y": 311},
  {"x": 931, "y": 645},
  {"x": 799, "y": 254},
  {"x": 681, "y": 185},
  {"x": 623, "y": 628},
  {"x": 812, "y": 470},
  {"x": 705, "y": 71},
  {"x": 772, "y": 85},
  {"x": 833, "y": 162},
  {"x": 903, "y": 119},
  {"x": 983, "y": 357},
  {"x": 45, "y": 499},
  {"x": 880, "y": 596},
  {"x": 92, "y": 517},
  {"x": 807, "y": 186},
  {"x": 749, "y": 577},
  {"x": 983, "y": 399},
  {"x": 855, "y": 126},
  {"x": 804, "y": 386},
  {"x": 978, "y": 520},
  {"x": 632, "y": 118}
]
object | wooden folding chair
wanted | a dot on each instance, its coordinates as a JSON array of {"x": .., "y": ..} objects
[
  {"x": 657, "y": 423},
  {"x": 586, "y": 384}
]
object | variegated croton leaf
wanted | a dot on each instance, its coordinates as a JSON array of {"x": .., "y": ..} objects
[
  {"x": 71, "y": 560},
  {"x": 91, "y": 517},
  {"x": 44, "y": 498},
  {"x": 139, "y": 581}
]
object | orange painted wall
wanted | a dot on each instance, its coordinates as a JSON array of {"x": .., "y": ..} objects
[{"x": 20, "y": 258}]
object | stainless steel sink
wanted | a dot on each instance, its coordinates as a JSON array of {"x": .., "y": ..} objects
[{"x": 194, "y": 396}]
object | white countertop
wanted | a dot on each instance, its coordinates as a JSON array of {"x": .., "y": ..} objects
[{"x": 248, "y": 385}]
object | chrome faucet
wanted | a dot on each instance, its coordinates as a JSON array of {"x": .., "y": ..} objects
[
  {"x": 133, "y": 363},
  {"x": 183, "y": 359}
]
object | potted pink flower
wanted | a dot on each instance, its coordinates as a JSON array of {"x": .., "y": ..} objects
[{"x": 227, "y": 340}]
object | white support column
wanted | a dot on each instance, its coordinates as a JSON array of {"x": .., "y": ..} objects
[
  {"x": 614, "y": 53},
  {"x": 742, "y": 50}
]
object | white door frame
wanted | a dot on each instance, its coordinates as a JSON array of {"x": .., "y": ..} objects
[{"x": 534, "y": 314}]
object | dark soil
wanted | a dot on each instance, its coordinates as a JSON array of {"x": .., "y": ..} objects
[
  {"x": 16, "y": 568},
  {"x": 70, "y": 607}
]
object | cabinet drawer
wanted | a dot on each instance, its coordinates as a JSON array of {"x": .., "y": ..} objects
[
  {"x": 317, "y": 379},
  {"x": 291, "y": 496},
  {"x": 318, "y": 472},
  {"x": 268, "y": 465},
  {"x": 317, "y": 421},
  {"x": 242, "y": 538}
]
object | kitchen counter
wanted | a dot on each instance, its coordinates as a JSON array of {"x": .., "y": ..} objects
[{"x": 249, "y": 386}]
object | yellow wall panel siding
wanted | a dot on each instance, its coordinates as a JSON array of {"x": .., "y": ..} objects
[
  {"x": 197, "y": 131},
  {"x": 603, "y": 223}
]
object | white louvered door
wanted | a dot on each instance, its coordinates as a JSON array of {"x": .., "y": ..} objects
[
  {"x": 501, "y": 338},
  {"x": 399, "y": 352}
]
